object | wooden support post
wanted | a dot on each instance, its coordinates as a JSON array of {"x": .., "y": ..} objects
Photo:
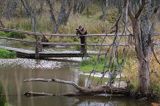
[
  {"x": 83, "y": 44},
  {"x": 38, "y": 47}
]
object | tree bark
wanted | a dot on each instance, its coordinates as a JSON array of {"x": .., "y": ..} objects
[
  {"x": 26, "y": 7},
  {"x": 66, "y": 7},
  {"x": 53, "y": 19},
  {"x": 146, "y": 33},
  {"x": 143, "y": 58},
  {"x": 142, "y": 32},
  {"x": 10, "y": 8}
]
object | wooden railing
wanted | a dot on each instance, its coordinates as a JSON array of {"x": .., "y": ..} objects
[{"x": 39, "y": 44}]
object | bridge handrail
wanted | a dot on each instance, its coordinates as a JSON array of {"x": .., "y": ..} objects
[
  {"x": 59, "y": 35},
  {"x": 83, "y": 44},
  {"x": 61, "y": 44},
  {"x": 20, "y": 40},
  {"x": 78, "y": 44},
  {"x": 63, "y": 35}
]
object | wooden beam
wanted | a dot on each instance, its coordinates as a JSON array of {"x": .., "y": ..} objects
[
  {"x": 78, "y": 44},
  {"x": 20, "y": 40},
  {"x": 59, "y": 35},
  {"x": 63, "y": 35},
  {"x": 62, "y": 44}
]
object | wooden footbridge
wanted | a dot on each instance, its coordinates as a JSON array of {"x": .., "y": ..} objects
[{"x": 39, "y": 52}]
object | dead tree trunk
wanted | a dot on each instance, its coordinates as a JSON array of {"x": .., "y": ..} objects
[
  {"x": 53, "y": 19},
  {"x": 10, "y": 8},
  {"x": 146, "y": 32},
  {"x": 66, "y": 7},
  {"x": 65, "y": 10},
  {"x": 142, "y": 51}
]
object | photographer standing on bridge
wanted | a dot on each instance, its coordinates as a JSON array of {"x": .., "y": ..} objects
[{"x": 81, "y": 31}]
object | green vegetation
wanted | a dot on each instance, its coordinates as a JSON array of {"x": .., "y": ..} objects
[
  {"x": 99, "y": 64},
  {"x": 3, "y": 34},
  {"x": 87, "y": 65},
  {"x": 7, "y": 54},
  {"x": 3, "y": 101},
  {"x": 12, "y": 35},
  {"x": 16, "y": 35},
  {"x": 129, "y": 69}
]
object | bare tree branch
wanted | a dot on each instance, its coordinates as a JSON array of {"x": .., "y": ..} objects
[
  {"x": 154, "y": 54},
  {"x": 26, "y": 7},
  {"x": 53, "y": 19},
  {"x": 31, "y": 94},
  {"x": 140, "y": 9},
  {"x": 55, "y": 80},
  {"x": 85, "y": 91},
  {"x": 130, "y": 13}
]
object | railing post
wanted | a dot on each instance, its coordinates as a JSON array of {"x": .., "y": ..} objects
[
  {"x": 38, "y": 47},
  {"x": 83, "y": 44}
]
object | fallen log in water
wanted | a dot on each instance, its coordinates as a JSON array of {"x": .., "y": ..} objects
[
  {"x": 28, "y": 94},
  {"x": 81, "y": 91}
]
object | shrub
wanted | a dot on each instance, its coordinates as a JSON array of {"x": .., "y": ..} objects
[
  {"x": 16, "y": 35},
  {"x": 3, "y": 33},
  {"x": 12, "y": 35},
  {"x": 7, "y": 54},
  {"x": 112, "y": 15}
]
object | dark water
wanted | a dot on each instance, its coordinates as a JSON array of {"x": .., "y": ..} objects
[{"x": 14, "y": 71}]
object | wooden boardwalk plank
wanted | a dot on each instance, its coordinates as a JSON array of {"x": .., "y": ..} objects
[
  {"x": 22, "y": 53},
  {"x": 17, "y": 50}
]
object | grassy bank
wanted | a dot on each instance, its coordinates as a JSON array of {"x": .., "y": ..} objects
[
  {"x": 129, "y": 70},
  {"x": 7, "y": 54},
  {"x": 99, "y": 64}
]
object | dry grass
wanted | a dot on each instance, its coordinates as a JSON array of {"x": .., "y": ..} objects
[
  {"x": 91, "y": 23},
  {"x": 131, "y": 71}
]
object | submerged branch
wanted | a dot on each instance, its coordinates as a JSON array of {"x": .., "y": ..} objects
[
  {"x": 31, "y": 94},
  {"x": 55, "y": 80},
  {"x": 102, "y": 89}
]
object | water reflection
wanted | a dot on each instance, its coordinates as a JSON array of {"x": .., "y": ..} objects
[
  {"x": 14, "y": 71},
  {"x": 109, "y": 101}
]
